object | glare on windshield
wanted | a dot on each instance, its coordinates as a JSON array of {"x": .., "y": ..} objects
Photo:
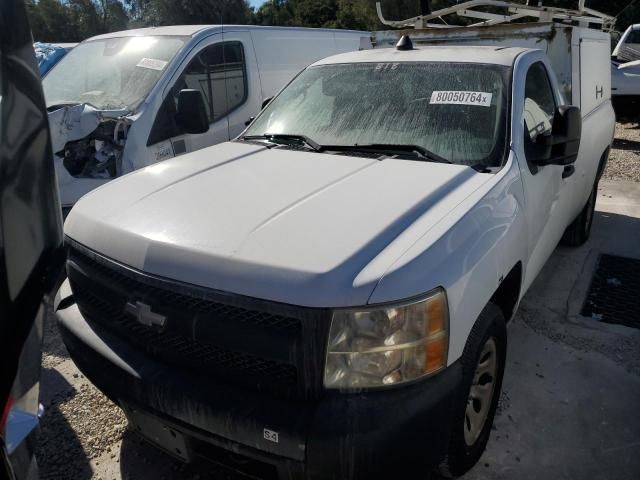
[
  {"x": 112, "y": 73},
  {"x": 456, "y": 111}
]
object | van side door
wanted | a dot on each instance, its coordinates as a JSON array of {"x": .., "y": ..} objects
[
  {"x": 547, "y": 188},
  {"x": 224, "y": 70}
]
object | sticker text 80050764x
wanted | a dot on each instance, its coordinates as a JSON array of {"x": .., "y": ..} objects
[{"x": 481, "y": 99}]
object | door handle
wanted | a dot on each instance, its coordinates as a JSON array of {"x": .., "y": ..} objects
[{"x": 568, "y": 171}]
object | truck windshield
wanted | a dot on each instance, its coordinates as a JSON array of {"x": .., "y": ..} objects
[
  {"x": 113, "y": 73},
  {"x": 456, "y": 111}
]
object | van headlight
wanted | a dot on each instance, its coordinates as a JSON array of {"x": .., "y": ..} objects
[{"x": 388, "y": 346}]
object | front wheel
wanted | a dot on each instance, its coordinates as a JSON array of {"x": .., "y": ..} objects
[
  {"x": 483, "y": 363},
  {"x": 578, "y": 232}
]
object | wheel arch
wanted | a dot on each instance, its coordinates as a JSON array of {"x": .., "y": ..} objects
[
  {"x": 507, "y": 294},
  {"x": 603, "y": 162}
]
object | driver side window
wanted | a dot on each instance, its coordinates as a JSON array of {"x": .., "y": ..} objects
[
  {"x": 538, "y": 113},
  {"x": 539, "y": 104},
  {"x": 219, "y": 73}
]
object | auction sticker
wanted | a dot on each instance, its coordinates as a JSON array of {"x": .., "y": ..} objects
[
  {"x": 152, "y": 63},
  {"x": 448, "y": 97}
]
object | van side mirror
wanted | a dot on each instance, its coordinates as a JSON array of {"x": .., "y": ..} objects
[
  {"x": 560, "y": 147},
  {"x": 266, "y": 102},
  {"x": 191, "y": 113}
]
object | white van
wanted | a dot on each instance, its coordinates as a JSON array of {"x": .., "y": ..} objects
[{"x": 125, "y": 100}]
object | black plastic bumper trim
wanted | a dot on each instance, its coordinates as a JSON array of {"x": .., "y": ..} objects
[{"x": 337, "y": 436}]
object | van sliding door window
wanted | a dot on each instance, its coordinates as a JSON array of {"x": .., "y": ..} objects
[{"x": 219, "y": 73}]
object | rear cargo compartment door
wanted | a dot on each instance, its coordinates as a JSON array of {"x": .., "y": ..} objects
[{"x": 595, "y": 74}]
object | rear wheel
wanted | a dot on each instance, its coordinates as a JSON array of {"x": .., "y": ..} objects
[
  {"x": 579, "y": 231},
  {"x": 483, "y": 368}
]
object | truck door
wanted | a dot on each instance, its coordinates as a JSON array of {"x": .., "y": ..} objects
[
  {"x": 225, "y": 73},
  {"x": 546, "y": 191}
]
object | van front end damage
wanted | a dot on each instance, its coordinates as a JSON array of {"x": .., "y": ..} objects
[{"x": 88, "y": 146}]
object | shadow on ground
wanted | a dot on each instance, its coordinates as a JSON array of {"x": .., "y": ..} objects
[
  {"x": 59, "y": 452},
  {"x": 623, "y": 144}
]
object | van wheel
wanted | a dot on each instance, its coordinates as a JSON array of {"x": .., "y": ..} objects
[
  {"x": 578, "y": 232},
  {"x": 482, "y": 371}
]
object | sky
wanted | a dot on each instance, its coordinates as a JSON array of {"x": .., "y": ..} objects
[{"x": 256, "y": 3}]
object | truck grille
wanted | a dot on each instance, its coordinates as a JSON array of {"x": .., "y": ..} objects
[{"x": 251, "y": 343}]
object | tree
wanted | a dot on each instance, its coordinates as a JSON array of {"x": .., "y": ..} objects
[
  {"x": 275, "y": 12},
  {"x": 352, "y": 14},
  {"x": 84, "y": 18},
  {"x": 316, "y": 13},
  {"x": 356, "y": 15},
  {"x": 75, "y": 20},
  {"x": 189, "y": 12},
  {"x": 52, "y": 20},
  {"x": 114, "y": 16}
]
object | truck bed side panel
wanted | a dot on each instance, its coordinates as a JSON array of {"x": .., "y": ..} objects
[{"x": 595, "y": 70}]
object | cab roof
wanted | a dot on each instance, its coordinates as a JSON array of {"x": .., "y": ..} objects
[{"x": 460, "y": 54}]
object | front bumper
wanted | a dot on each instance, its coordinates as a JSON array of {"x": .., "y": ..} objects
[{"x": 337, "y": 436}]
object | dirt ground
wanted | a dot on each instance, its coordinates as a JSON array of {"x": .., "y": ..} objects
[{"x": 552, "y": 361}]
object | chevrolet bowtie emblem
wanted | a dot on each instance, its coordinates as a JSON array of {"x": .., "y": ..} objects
[{"x": 144, "y": 315}]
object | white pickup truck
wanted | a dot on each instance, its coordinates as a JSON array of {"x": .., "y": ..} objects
[{"x": 327, "y": 295}]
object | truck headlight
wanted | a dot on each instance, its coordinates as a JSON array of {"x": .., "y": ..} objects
[{"x": 387, "y": 346}]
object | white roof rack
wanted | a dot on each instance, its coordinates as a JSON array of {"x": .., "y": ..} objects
[{"x": 513, "y": 11}]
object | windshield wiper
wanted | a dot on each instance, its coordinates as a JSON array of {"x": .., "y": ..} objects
[
  {"x": 420, "y": 152},
  {"x": 281, "y": 138}
]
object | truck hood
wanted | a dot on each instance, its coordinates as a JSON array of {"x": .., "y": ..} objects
[{"x": 288, "y": 226}]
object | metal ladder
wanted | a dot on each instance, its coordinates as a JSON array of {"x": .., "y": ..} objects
[{"x": 583, "y": 16}]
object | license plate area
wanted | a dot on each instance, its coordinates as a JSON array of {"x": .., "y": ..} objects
[{"x": 162, "y": 436}]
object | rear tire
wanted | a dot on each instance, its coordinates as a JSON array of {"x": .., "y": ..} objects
[
  {"x": 483, "y": 363},
  {"x": 579, "y": 231}
]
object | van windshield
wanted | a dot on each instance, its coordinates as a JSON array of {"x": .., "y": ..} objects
[
  {"x": 112, "y": 73},
  {"x": 457, "y": 111}
]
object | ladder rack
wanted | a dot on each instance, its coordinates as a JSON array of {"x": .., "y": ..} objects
[{"x": 514, "y": 11}]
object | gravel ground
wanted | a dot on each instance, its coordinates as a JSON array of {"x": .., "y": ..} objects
[
  {"x": 624, "y": 160},
  {"x": 80, "y": 424}
]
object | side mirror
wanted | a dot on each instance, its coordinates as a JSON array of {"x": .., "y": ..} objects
[
  {"x": 266, "y": 102},
  {"x": 191, "y": 113},
  {"x": 566, "y": 133},
  {"x": 560, "y": 147}
]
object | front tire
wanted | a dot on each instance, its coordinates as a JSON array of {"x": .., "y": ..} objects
[
  {"x": 483, "y": 363},
  {"x": 579, "y": 231}
]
